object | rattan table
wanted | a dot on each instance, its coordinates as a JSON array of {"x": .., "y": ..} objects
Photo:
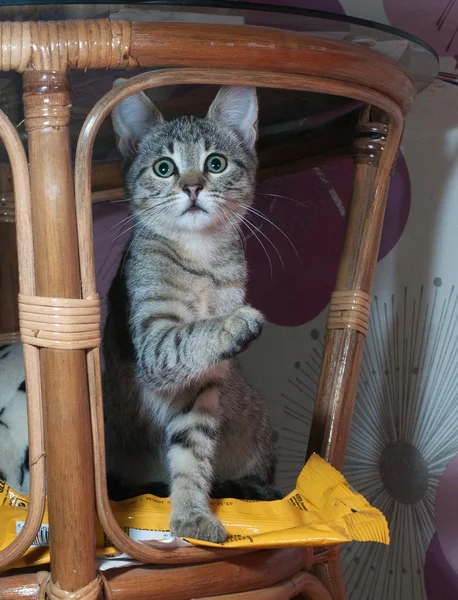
[{"x": 360, "y": 80}]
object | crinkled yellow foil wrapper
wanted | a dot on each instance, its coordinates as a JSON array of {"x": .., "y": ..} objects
[{"x": 322, "y": 510}]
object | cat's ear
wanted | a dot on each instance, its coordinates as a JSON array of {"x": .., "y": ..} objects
[
  {"x": 237, "y": 107},
  {"x": 131, "y": 120}
]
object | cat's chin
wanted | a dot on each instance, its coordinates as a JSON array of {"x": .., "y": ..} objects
[{"x": 197, "y": 221}]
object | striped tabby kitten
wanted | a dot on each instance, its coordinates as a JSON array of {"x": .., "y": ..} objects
[{"x": 178, "y": 409}]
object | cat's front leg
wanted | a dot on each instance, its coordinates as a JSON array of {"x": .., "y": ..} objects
[
  {"x": 192, "y": 437},
  {"x": 171, "y": 354},
  {"x": 239, "y": 329}
]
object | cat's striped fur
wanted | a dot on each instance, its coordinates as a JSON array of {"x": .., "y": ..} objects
[{"x": 177, "y": 407}]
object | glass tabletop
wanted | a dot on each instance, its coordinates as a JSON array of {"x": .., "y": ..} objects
[
  {"x": 284, "y": 114},
  {"x": 416, "y": 56}
]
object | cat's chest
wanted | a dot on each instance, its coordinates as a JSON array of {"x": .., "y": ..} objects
[{"x": 208, "y": 300}]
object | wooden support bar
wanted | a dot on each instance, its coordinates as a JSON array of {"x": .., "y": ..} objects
[
  {"x": 309, "y": 586},
  {"x": 65, "y": 391},
  {"x": 110, "y": 44},
  {"x": 344, "y": 345},
  {"x": 261, "y": 48},
  {"x": 238, "y": 574}
]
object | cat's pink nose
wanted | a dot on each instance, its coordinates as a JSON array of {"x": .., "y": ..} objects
[{"x": 192, "y": 190}]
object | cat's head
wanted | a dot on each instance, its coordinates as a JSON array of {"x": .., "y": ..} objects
[{"x": 189, "y": 174}]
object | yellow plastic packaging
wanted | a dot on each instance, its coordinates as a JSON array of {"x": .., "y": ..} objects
[{"x": 322, "y": 510}]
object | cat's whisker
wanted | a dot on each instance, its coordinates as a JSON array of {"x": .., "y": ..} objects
[
  {"x": 114, "y": 237},
  {"x": 105, "y": 267},
  {"x": 119, "y": 224},
  {"x": 263, "y": 216},
  {"x": 129, "y": 248},
  {"x": 144, "y": 223},
  {"x": 253, "y": 230},
  {"x": 122, "y": 232},
  {"x": 145, "y": 214},
  {"x": 267, "y": 238},
  {"x": 118, "y": 234},
  {"x": 280, "y": 196},
  {"x": 115, "y": 201},
  {"x": 223, "y": 218},
  {"x": 139, "y": 221},
  {"x": 270, "y": 242},
  {"x": 235, "y": 226},
  {"x": 101, "y": 272}
]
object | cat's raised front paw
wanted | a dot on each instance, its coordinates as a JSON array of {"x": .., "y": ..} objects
[
  {"x": 202, "y": 526},
  {"x": 240, "y": 328}
]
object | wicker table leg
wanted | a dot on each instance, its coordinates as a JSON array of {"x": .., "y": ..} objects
[
  {"x": 66, "y": 406},
  {"x": 350, "y": 304},
  {"x": 302, "y": 586}
]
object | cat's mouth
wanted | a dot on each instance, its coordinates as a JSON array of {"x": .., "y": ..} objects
[{"x": 194, "y": 208}]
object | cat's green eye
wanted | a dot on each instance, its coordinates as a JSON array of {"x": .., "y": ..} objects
[
  {"x": 164, "y": 167},
  {"x": 216, "y": 163}
]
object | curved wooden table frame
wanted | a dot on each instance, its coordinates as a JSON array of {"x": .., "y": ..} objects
[{"x": 63, "y": 373}]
